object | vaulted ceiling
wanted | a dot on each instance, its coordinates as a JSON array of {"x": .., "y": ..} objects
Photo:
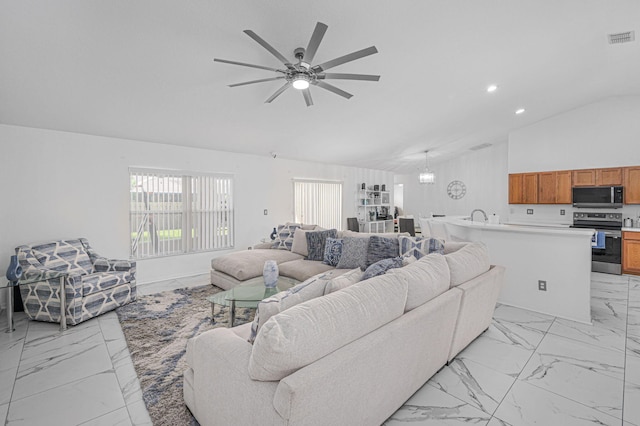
[{"x": 144, "y": 70}]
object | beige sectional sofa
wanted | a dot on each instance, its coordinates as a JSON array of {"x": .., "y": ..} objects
[
  {"x": 232, "y": 269},
  {"x": 351, "y": 357}
]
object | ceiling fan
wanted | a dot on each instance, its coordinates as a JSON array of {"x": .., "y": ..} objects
[{"x": 302, "y": 74}]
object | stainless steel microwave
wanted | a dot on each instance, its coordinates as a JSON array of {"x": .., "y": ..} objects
[{"x": 595, "y": 197}]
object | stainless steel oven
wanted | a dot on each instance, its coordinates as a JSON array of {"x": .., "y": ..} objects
[{"x": 607, "y": 259}]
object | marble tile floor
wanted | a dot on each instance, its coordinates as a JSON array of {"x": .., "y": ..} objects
[{"x": 528, "y": 368}]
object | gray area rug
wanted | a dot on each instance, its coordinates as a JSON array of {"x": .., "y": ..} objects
[{"x": 156, "y": 328}]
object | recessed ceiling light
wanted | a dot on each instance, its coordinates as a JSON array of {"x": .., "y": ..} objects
[
  {"x": 519, "y": 111},
  {"x": 492, "y": 88}
]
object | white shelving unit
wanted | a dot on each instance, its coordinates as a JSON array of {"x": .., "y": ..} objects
[{"x": 370, "y": 206}]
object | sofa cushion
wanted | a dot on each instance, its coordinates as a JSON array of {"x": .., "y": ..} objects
[
  {"x": 419, "y": 246},
  {"x": 100, "y": 281},
  {"x": 354, "y": 253},
  {"x": 369, "y": 234},
  {"x": 332, "y": 251},
  {"x": 311, "y": 288},
  {"x": 468, "y": 262},
  {"x": 451, "y": 246},
  {"x": 64, "y": 256},
  {"x": 284, "y": 236},
  {"x": 299, "y": 245},
  {"x": 427, "y": 278},
  {"x": 313, "y": 329},
  {"x": 381, "y": 248},
  {"x": 303, "y": 269},
  {"x": 246, "y": 264},
  {"x": 316, "y": 241},
  {"x": 381, "y": 267},
  {"x": 343, "y": 281}
]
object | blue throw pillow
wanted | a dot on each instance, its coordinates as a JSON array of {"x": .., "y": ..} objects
[
  {"x": 332, "y": 251},
  {"x": 381, "y": 267},
  {"x": 354, "y": 253},
  {"x": 316, "y": 241},
  {"x": 419, "y": 246},
  {"x": 381, "y": 248}
]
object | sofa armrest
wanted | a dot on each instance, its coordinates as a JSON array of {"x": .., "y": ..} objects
[
  {"x": 224, "y": 392},
  {"x": 102, "y": 264},
  {"x": 266, "y": 245}
]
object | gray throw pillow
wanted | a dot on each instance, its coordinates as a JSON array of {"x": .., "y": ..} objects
[
  {"x": 316, "y": 241},
  {"x": 354, "y": 253},
  {"x": 381, "y": 267},
  {"x": 332, "y": 251},
  {"x": 381, "y": 248}
]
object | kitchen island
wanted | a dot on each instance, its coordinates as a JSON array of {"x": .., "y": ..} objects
[{"x": 557, "y": 255}]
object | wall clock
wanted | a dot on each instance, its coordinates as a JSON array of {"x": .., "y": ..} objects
[{"x": 456, "y": 189}]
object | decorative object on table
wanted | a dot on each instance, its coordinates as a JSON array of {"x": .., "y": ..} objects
[
  {"x": 427, "y": 176},
  {"x": 273, "y": 234},
  {"x": 456, "y": 189},
  {"x": 270, "y": 273},
  {"x": 156, "y": 328},
  {"x": 14, "y": 271}
]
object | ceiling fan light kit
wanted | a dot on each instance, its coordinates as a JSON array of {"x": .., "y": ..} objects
[{"x": 302, "y": 75}]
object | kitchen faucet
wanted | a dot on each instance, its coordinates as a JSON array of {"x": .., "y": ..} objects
[{"x": 481, "y": 211}]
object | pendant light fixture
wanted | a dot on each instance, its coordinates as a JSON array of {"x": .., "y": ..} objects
[{"x": 427, "y": 176}]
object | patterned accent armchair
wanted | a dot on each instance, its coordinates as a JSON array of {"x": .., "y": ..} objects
[{"x": 93, "y": 284}]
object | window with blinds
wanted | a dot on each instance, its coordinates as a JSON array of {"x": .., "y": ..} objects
[
  {"x": 173, "y": 212},
  {"x": 318, "y": 202}
]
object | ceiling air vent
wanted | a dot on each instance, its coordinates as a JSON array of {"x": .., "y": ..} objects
[
  {"x": 624, "y": 37},
  {"x": 481, "y": 146}
]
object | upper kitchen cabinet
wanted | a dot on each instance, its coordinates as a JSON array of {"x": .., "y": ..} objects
[
  {"x": 586, "y": 177},
  {"x": 632, "y": 185},
  {"x": 563, "y": 187},
  {"x": 554, "y": 187},
  {"x": 530, "y": 188},
  {"x": 609, "y": 177},
  {"x": 516, "y": 195}
]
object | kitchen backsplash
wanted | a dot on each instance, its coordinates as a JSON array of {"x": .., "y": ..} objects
[{"x": 543, "y": 214}]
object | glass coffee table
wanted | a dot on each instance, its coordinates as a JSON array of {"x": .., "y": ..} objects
[{"x": 247, "y": 295}]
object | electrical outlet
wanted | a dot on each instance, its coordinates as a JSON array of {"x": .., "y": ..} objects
[
  {"x": 562, "y": 212},
  {"x": 529, "y": 211},
  {"x": 542, "y": 285},
  {"x": 266, "y": 212}
]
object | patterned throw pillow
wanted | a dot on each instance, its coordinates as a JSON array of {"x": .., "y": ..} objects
[
  {"x": 419, "y": 246},
  {"x": 381, "y": 248},
  {"x": 354, "y": 253},
  {"x": 284, "y": 236},
  {"x": 332, "y": 251},
  {"x": 316, "y": 241},
  {"x": 381, "y": 267}
]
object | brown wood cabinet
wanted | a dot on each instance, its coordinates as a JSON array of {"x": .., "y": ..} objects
[
  {"x": 530, "y": 188},
  {"x": 547, "y": 188},
  {"x": 609, "y": 177},
  {"x": 586, "y": 177},
  {"x": 632, "y": 185},
  {"x": 631, "y": 253},
  {"x": 563, "y": 187},
  {"x": 516, "y": 188}
]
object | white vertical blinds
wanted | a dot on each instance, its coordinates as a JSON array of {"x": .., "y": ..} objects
[
  {"x": 179, "y": 212},
  {"x": 318, "y": 202}
]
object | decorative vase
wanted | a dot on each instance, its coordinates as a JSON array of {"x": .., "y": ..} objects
[
  {"x": 270, "y": 273},
  {"x": 364, "y": 186},
  {"x": 14, "y": 271},
  {"x": 273, "y": 234}
]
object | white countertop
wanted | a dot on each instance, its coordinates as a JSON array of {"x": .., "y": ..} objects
[
  {"x": 522, "y": 228},
  {"x": 631, "y": 229}
]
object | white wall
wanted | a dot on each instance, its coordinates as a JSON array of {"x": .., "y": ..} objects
[
  {"x": 601, "y": 134},
  {"x": 64, "y": 185},
  {"x": 484, "y": 174}
]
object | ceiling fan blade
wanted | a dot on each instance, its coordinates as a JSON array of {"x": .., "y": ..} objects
[
  {"x": 277, "y": 93},
  {"x": 267, "y": 46},
  {"x": 341, "y": 76},
  {"x": 246, "y": 65},
  {"x": 307, "y": 97},
  {"x": 333, "y": 89},
  {"x": 346, "y": 58},
  {"x": 256, "y": 81},
  {"x": 316, "y": 38}
]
